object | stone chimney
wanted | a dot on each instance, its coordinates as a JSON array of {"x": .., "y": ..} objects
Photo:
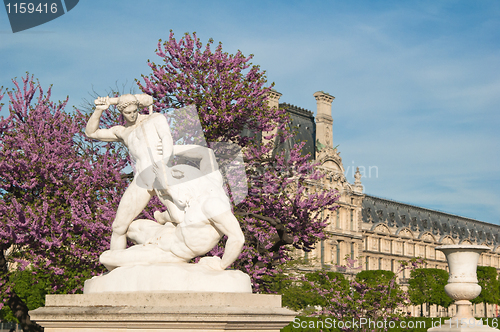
[
  {"x": 273, "y": 100},
  {"x": 324, "y": 118}
]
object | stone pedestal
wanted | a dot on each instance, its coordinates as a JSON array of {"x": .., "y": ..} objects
[
  {"x": 169, "y": 278},
  {"x": 162, "y": 312}
]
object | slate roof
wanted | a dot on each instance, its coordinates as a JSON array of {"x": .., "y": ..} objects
[
  {"x": 421, "y": 220},
  {"x": 303, "y": 125}
]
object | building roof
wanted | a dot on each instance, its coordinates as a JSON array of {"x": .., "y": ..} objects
[
  {"x": 304, "y": 128},
  {"x": 421, "y": 220}
]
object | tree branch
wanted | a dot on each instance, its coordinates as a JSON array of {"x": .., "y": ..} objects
[{"x": 283, "y": 236}]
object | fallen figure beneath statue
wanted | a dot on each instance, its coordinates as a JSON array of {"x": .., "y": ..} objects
[{"x": 206, "y": 217}]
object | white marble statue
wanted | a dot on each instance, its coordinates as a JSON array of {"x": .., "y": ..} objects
[{"x": 198, "y": 210}]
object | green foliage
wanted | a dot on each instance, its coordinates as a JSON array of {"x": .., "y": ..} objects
[
  {"x": 277, "y": 283},
  {"x": 427, "y": 286},
  {"x": 328, "y": 284},
  {"x": 375, "y": 277},
  {"x": 487, "y": 278},
  {"x": 313, "y": 289},
  {"x": 31, "y": 287},
  {"x": 378, "y": 283},
  {"x": 327, "y": 279}
]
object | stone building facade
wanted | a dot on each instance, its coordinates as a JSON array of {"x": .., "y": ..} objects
[{"x": 377, "y": 232}]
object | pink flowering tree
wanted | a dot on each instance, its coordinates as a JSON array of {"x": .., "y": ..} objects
[
  {"x": 59, "y": 196},
  {"x": 228, "y": 91},
  {"x": 283, "y": 207}
]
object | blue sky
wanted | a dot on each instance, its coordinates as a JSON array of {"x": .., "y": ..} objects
[{"x": 417, "y": 83}]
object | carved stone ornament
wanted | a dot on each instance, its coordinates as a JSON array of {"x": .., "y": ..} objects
[
  {"x": 403, "y": 219},
  {"x": 435, "y": 228},
  {"x": 425, "y": 224},
  {"x": 414, "y": 223},
  {"x": 392, "y": 219},
  {"x": 328, "y": 153}
]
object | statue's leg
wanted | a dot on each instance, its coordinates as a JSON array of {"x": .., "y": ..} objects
[
  {"x": 133, "y": 201},
  {"x": 138, "y": 254}
]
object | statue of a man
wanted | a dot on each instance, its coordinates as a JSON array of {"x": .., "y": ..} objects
[
  {"x": 198, "y": 210},
  {"x": 139, "y": 134}
]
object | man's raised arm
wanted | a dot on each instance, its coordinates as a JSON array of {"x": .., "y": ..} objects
[{"x": 92, "y": 130}]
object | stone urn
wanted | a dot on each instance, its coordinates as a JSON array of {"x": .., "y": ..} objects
[{"x": 462, "y": 285}]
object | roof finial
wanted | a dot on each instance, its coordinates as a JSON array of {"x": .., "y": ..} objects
[{"x": 357, "y": 181}]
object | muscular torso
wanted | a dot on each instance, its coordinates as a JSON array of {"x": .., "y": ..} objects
[
  {"x": 142, "y": 140},
  {"x": 192, "y": 240}
]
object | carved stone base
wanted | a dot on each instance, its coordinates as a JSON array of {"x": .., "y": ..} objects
[
  {"x": 169, "y": 278},
  {"x": 162, "y": 312}
]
